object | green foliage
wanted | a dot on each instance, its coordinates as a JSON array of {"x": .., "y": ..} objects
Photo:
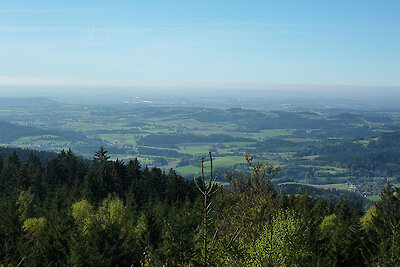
[
  {"x": 252, "y": 200},
  {"x": 167, "y": 140},
  {"x": 67, "y": 212},
  {"x": 105, "y": 234},
  {"x": 113, "y": 212},
  {"x": 341, "y": 238},
  {"x": 25, "y": 204},
  {"x": 207, "y": 189},
  {"x": 283, "y": 242},
  {"x": 35, "y": 230},
  {"x": 368, "y": 217},
  {"x": 10, "y": 176},
  {"x": 179, "y": 241},
  {"x": 10, "y": 230},
  {"x": 82, "y": 212},
  {"x": 383, "y": 226},
  {"x": 101, "y": 155}
]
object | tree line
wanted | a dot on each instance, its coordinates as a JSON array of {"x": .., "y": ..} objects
[{"x": 70, "y": 212}]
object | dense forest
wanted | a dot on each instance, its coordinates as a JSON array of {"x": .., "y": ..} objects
[{"x": 68, "y": 211}]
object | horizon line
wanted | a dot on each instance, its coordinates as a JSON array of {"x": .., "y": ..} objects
[{"x": 74, "y": 82}]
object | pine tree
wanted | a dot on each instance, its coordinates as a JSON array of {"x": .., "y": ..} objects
[
  {"x": 101, "y": 155},
  {"x": 384, "y": 229},
  {"x": 1, "y": 164},
  {"x": 9, "y": 180}
]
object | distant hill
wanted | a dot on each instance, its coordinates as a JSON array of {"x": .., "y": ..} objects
[
  {"x": 10, "y": 132},
  {"x": 347, "y": 118},
  {"x": 351, "y": 118}
]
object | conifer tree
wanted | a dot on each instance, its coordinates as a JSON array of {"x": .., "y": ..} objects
[
  {"x": 101, "y": 155},
  {"x": 208, "y": 234},
  {"x": 9, "y": 175},
  {"x": 1, "y": 164},
  {"x": 384, "y": 229}
]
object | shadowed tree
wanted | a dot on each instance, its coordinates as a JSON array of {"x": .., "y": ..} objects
[
  {"x": 101, "y": 155},
  {"x": 1, "y": 164},
  {"x": 35, "y": 172},
  {"x": 9, "y": 177},
  {"x": 98, "y": 181},
  {"x": 383, "y": 227}
]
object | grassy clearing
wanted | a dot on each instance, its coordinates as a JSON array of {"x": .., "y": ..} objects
[
  {"x": 46, "y": 141},
  {"x": 226, "y": 161},
  {"x": 333, "y": 186},
  {"x": 325, "y": 186},
  {"x": 228, "y": 150},
  {"x": 222, "y": 162},
  {"x": 374, "y": 198},
  {"x": 209, "y": 128},
  {"x": 327, "y": 168},
  {"x": 300, "y": 140},
  {"x": 29, "y": 139},
  {"x": 126, "y": 139},
  {"x": 188, "y": 170},
  {"x": 87, "y": 125},
  {"x": 194, "y": 150},
  {"x": 241, "y": 144},
  {"x": 208, "y": 132},
  {"x": 275, "y": 132},
  {"x": 156, "y": 129}
]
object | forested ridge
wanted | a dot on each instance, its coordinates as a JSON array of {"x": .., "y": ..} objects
[
  {"x": 24, "y": 154},
  {"x": 69, "y": 212}
]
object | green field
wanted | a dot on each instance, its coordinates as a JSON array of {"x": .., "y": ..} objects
[
  {"x": 194, "y": 149},
  {"x": 273, "y": 132},
  {"x": 226, "y": 161},
  {"x": 119, "y": 138},
  {"x": 189, "y": 170},
  {"x": 374, "y": 198},
  {"x": 276, "y": 137},
  {"x": 334, "y": 186}
]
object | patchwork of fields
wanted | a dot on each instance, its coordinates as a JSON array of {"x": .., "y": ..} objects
[{"x": 307, "y": 145}]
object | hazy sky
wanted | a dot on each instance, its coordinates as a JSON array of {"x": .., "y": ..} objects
[{"x": 182, "y": 42}]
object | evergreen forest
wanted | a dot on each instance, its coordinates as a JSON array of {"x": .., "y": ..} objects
[{"x": 63, "y": 210}]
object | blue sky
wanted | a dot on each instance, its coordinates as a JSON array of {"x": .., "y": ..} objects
[{"x": 165, "y": 42}]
